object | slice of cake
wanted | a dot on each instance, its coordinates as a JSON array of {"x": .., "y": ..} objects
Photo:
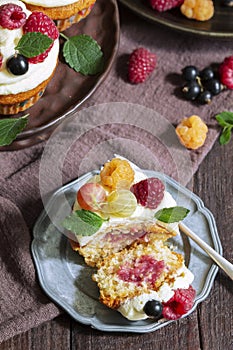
[
  {"x": 146, "y": 279},
  {"x": 116, "y": 237}
]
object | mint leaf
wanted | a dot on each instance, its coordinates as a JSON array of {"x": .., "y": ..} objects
[
  {"x": 225, "y": 120},
  {"x": 33, "y": 44},
  {"x": 169, "y": 215},
  {"x": 83, "y": 222},
  {"x": 83, "y": 54},
  {"x": 10, "y": 128},
  {"x": 225, "y": 135}
]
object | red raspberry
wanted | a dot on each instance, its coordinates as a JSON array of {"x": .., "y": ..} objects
[
  {"x": 12, "y": 16},
  {"x": 1, "y": 59},
  {"x": 141, "y": 65},
  {"x": 226, "y": 72},
  {"x": 164, "y": 5},
  {"x": 149, "y": 192},
  {"x": 179, "y": 304},
  {"x": 39, "y": 22}
]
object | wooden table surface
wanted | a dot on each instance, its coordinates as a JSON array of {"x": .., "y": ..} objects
[{"x": 209, "y": 327}]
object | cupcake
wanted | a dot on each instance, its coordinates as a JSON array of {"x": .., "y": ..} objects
[
  {"x": 146, "y": 280},
  {"x": 64, "y": 13},
  {"x": 23, "y": 80}
]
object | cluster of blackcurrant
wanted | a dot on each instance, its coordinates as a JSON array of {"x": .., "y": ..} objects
[{"x": 202, "y": 85}]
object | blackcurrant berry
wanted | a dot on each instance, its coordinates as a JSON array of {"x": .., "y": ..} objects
[
  {"x": 191, "y": 90},
  {"x": 190, "y": 73},
  {"x": 205, "y": 97},
  {"x": 17, "y": 64},
  {"x": 214, "y": 86},
  {"x": 207, "y": 74},
  {"x": 153, "y": 308}
]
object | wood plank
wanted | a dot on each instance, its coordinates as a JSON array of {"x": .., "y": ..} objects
[
  {"x": 214, "y": 183},
  {"x": 182, "y": 335}
]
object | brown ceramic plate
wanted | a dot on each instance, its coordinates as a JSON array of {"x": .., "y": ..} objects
[
  {"x": 68, "y": 90},
  {"x": 219, "y": 26}
]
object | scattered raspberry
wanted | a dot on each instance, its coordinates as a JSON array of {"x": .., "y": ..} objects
[
  {"x": 39, "y": 22},
  {"x": 192, "y": 132},
  {"x": 1, "y": 59},
  {"x": 141, "y": 65},
  {"x": 164, "y": 5},
  {"x": 201, "y": 10},
  {"x": 181, "y": 302},
  {"x": 149, "y": 192},
  {"x": 12, "y": 16},
  {"x": 226, "y": 72}
]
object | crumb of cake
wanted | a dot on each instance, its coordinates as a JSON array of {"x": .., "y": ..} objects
[{"x": 111, "y": 277}]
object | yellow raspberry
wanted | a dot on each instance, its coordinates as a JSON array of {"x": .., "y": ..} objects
[
  {"x": 192, "y": 132},
  {"x": 201, "y": 10},
  {"x": 117, "y": 174}
]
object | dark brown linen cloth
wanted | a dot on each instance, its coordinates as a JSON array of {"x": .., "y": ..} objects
[{"x": 23, "y": 304}]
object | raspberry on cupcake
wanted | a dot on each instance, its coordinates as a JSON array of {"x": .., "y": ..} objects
[
  {"x": 24, "y": 79},
  {"x": 64, "y": 13}
]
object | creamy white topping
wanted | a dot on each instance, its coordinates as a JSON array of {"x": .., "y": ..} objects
[
  {"x": 36, "y": 74},
  {"x": 132, "y": 309},
  {"x": 50, "y": 3}
]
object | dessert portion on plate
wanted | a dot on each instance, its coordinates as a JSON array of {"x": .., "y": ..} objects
[
  {"x": 24, "y": 79},
  {"x": 146, "y": 279},
  {"x": 120, "y": 224},
  {"x": 64, "y": 13}
]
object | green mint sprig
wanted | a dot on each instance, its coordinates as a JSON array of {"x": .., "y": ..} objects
[
  {"x": 33, "y": 44},
  {"x": 83, "y": 222},
  {"x": 10, "y": 128},
  {"x": 83, "y": 54},
  {"x": 225, "y": 120},
  {"x": 173, "y": 214}
]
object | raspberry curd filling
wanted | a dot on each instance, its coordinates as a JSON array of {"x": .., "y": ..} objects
[
  {"x": 144, "y": 269},
  {"x": 50, "y": 3},
  {"x": 36, "y": 74}
]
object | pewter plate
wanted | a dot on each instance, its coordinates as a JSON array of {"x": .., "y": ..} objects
[{"x": 66, "y": 279}]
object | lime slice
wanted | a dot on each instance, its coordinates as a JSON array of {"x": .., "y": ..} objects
[{"x": 120, "y": 203}]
